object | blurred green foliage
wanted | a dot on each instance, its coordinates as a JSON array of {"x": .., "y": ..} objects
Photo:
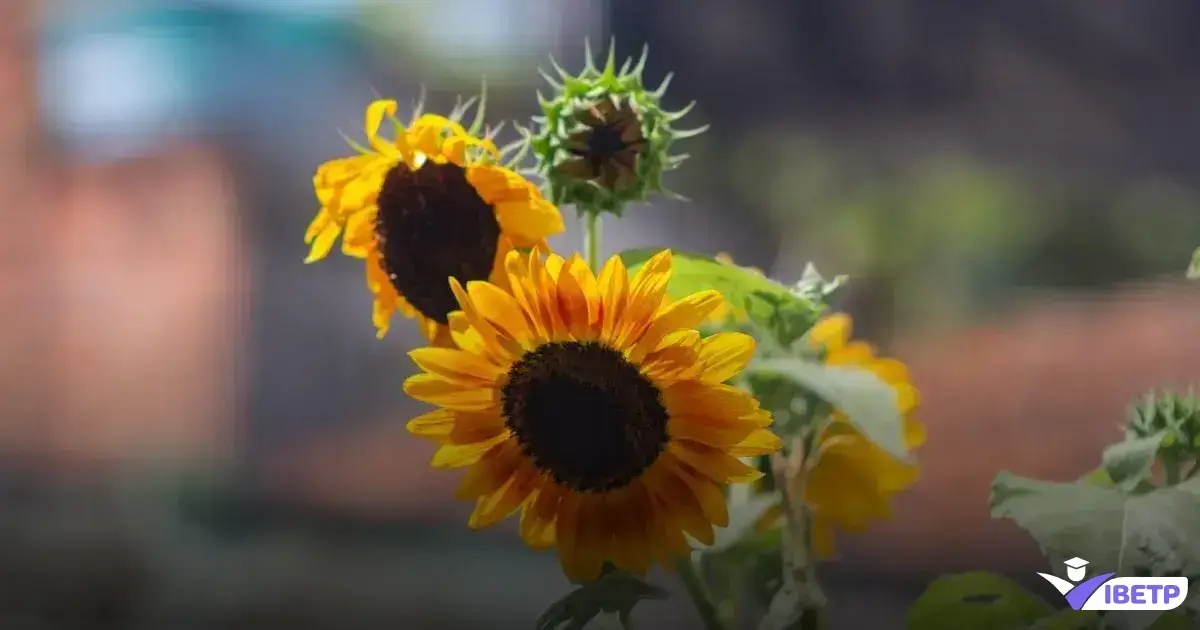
[{"x": 951, "y": 236}]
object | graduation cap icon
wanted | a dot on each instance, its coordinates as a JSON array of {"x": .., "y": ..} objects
[{"x": 1076, "y": 568}]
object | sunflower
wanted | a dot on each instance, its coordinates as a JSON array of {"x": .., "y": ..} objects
[
  {"x": 853, "y": 480},
  {"x": 593, "y": 407},
  {"x": 428, "y": 205}
]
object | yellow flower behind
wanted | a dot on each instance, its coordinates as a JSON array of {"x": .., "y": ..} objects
[
  {"x": 425, "y": 206},
  {"x": 591, "y": 405},
  {"x": 854, "y": 480}
]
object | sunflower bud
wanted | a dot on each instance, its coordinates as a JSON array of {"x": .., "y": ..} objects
[{"x": 604, "y": 139}]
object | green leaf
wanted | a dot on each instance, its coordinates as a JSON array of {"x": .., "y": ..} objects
[
  {"x": 869, "y": 403},
  {"x": 1069, "y": 620},
  {"x": 748, "y": 293},
  {"x": 1113, "y": 530},
  {"x": 614, "y": 592},
  {"x": 976, "y": 600},
  {"x": 1128, "y": 463},
  {"x": 1193, "y": 271}
]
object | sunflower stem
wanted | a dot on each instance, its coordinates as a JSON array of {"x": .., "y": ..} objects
[
  {"x": 698, "y": 591},
  {"x": 800, "y": 603},
  {"x": 591, "y": 239}
]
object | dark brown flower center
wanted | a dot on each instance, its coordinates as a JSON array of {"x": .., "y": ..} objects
[
  {"x": 607, "y": 149},
  {"x": 603, "y": 143},
  {"x": 585, "y": 415},
  {"x": 432, "y": 225}
]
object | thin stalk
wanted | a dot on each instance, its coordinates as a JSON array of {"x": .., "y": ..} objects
[
  {"x": 591, "y": 239},
  {"x": 699, "y": 593}
]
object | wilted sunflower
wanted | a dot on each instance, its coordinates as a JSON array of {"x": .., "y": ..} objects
[
  {"x": 594, "y": 407},
  {"x": 854, "y": 480},
  {"x": 428, "y": 205}
]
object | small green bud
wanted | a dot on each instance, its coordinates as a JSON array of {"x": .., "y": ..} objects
[
  {"x": 1175, "y": 414},
  {"x": 603, "y": 139}
]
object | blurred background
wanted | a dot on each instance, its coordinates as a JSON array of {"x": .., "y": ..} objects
[{"x": 199, "y": 432}]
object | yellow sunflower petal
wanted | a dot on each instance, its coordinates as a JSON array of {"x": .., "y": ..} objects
[
  {"x": 449, "y": 426},
  {"x": 436, "y": 390},
  {"x": 758, "y": 443},
  {"x": 360, "y": 233},
  {"x": 323, "y": 242},
  {"x": 684, "y": 508},
  {"x": 725, "y": 355},
  {"x": 831, "y": 332},
  {"x": 459, "y": 455},
  {"x": 501, "y": 311},
  {"x": 457, "y": 365},
  {"x": 503, "y": 503},
  {"x": 535, "y": 531},
  {"x": 713, "y": 463}
]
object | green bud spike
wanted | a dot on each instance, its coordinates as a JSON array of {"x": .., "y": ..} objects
[
  {"x": 353, "y": 144},
  {"x": 666, "y": 83},
  {"x": 418, "y": 106},
  {"x": 640, "y": 66},
  {"x": 690, "y": 133},
  {"x": 674, "y": 116},
  {"x": 477, "y": 123}
]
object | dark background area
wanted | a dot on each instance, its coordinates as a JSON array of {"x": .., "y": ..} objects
[{"x": 198, "y": 431}]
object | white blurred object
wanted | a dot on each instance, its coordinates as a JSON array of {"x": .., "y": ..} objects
[
  {"x": 496, "y": 38},
  {"x": 112, "y": 91}
]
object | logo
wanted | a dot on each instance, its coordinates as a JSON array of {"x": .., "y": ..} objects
[{"x": 1105, "y": 592}]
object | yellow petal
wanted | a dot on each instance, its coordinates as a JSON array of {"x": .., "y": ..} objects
[
  {"x": 360, "y": 233},
  {"x": 376, "y": 112},
  {"x": 501, "y": 311},
  {"x": 534, "y": 219},
  {"x": 323, "y": 242},
  {"x": 459, "y": 455},
  {"x": 438, "y": 391},
  {"x": 687, "y": 313},
  {"x": 503, "y": 503},
  {"x": 457, "y": 365},
  {"x": 614, "y": 289},
  {"x": 682, "y": 505},
  {"x": 705, "y": 431},
  {"x": 536, "y": 532},
  {"x": 914, "y": 433},
  {"x": 449, "y": 426},
  {"x": 831, "y": 332},
  {"x": 714, "y": 400},
  {"x": 714, "y": 464},
  {"x": 758, "y": 443},
  {"x": 725, "y": 355},
  {"x": 573, "y": 306}
]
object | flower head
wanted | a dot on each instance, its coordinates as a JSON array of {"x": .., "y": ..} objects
[
  {"x": 430, "y": 204},
  {"x": 604, "y": 139},
  {"x": 592, "y": 406},
  {"x": 854, "y": 480}
]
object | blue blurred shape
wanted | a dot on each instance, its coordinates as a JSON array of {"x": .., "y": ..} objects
[{"x": 115, "y": 83}]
